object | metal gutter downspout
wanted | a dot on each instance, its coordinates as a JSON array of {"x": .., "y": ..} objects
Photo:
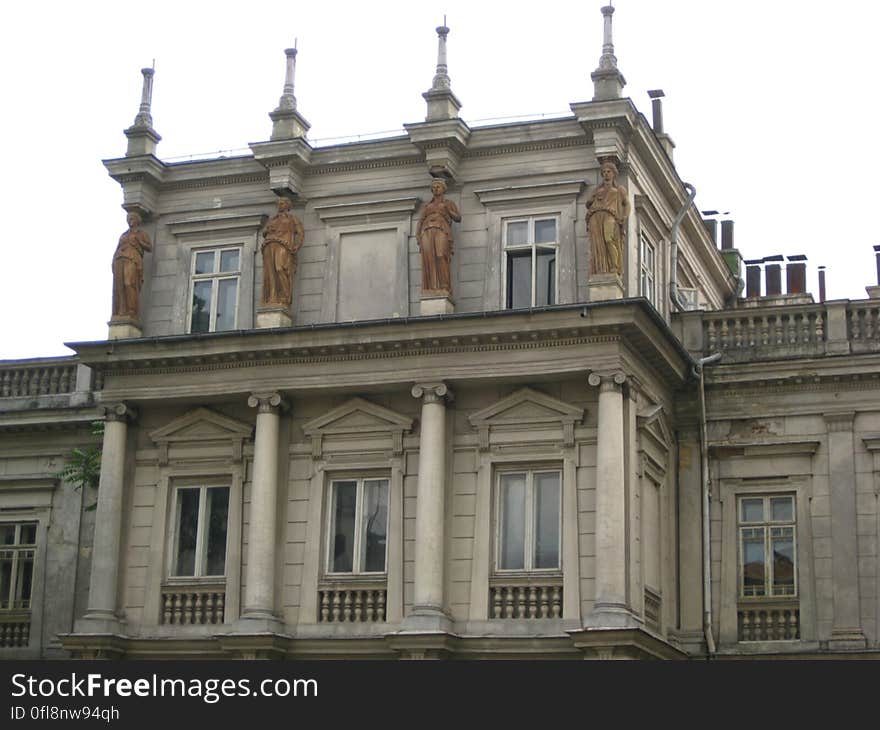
[
  {"x": 674, "y": 293},
  {"x": 707, "y": 488}
]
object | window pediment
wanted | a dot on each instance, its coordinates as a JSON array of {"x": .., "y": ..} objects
[
  {"x": 525, "y": 410},
  {"x": 202, "y": 426},
  {"x": 358, "y": 419}
]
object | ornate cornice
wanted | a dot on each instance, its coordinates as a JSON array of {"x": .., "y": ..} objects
[
  {"x": 719, "y": 390},
  {"x": 507, "y": 149},
  {"x": 218, "y": 181},
  {"x": 330, "y": 168}
]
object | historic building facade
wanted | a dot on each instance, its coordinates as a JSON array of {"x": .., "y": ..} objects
[{"x": 455, "y": 393}]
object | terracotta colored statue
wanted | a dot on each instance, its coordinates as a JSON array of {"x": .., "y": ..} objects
[
  {"x": 128, "y": 269},
  {"x": 434, "y": 235},
  {"x": 607, "y": 213},
  {"x": 282, "y": 237}
]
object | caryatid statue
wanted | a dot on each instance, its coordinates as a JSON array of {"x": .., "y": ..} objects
[
  {"x": 434, "y": 235},
  {"x": 128, "y": 269},
  {"x": 607, "y": 214},
  {"x": 282, "y": 237}
]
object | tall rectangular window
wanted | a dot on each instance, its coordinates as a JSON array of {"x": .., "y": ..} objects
[
  {"x": 214, "y": 287},
  {"x": 200, "y": 526},
  {"x": 530, "y": 248},
  {"x": 358, "y": 533},
  {"x": 528, "y": 520},
  {"x": 17, "y": 550},
  {"x": 647, "y": 269},
  {"x": 767, "y": 546}
]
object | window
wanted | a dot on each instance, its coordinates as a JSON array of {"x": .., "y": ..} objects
[
  {"x": 530, "y": 247},
  {"x": 528, "y": 527},
  {"x": 200, "y": 525},
  {"x": 358, "y": 533},
  {"x": 767, "y": 546},
  {"x": 215, "y": 278},
  {"x": 647, "y": 269},
  {"x": 17, "y": 548}
]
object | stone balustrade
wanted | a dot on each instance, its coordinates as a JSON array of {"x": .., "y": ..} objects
[
  {"x": 525, "y": 599},
  {"x": 352, "y": 603},
  {"x": 46, "y": 377},
  {"x": 15, "y": 628},
  {"x": 193, "y": 605},
  {"x": 768, "y": 621}
]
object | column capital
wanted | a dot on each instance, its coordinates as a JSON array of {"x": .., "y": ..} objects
[
  {"x": 607, "y": 381},
  {"x": 432, "y": 392},
  {"x": 270, "y": 402},
  {"x": 118, "y": 412}
]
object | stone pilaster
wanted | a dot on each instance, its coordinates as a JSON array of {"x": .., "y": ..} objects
[
  {"x": 259, "y": 597},
  {"x": 610, "y": 608},
  {"x": 101, "y": 615},
  {"x": 428, "y": 612},
  {"x": 846, "y": 630}
]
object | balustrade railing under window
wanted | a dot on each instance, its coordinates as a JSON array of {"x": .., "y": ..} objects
[
  {"x": 193, "y": 604},
  {"x": 768, "y": 621},
  {"x": 352, "y": 602},
  {"x": 15, "y": 628},
  {"x": 525, "y": 598}
]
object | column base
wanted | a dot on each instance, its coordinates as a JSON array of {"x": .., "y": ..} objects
[
  {"x": 612, "y": 616},
  {"x": 258, "y": 622},
  {"x": 426, "y": 619},
  {"x": 99, "y": 622},
  {"x": 124, "y": 329},
  {"x": 604, "y": 287},
  {"x": 847, "y": 640},
  {"x": 432, "y": 304},
  {"x": 268, "y": 317}
]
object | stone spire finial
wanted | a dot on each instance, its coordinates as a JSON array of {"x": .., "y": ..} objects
[
  {"x": 287, "y": 123},
  {"x": 608, "y": 82},
  {"x": 142, "y": 138},
  {"x": 442, "y": 103}
]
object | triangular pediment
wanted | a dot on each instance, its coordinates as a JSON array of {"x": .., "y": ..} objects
[
  {"x": 357, "y": 416},
  {"x": 202, "y": 424},
  {"x": 654, "y": 420},
  {"x": 526, "y": 406}
]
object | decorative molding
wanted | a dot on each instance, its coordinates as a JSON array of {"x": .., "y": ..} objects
[
  {"x": 357, "y": 417},
  {"x": 219, "y": 222},
  {"x": 607, "y": 382},
  {"x": 523, "y": 411},
  {"x": 397, "y": 207},
  {"x": 218, "y": 181},
  {"x": 432, "y": 392},
  {"x": 777, "y": 447},
  {"x": 526, "y": 147},
  {"x": 329, "y": 168},
  {"x": 838, "y": 422},
  {"x": 118, "y": 412},
  {"x": 269, "y": 402},
  {"x": 199, "y": 426},
  {"x": 530, "y": 193}
]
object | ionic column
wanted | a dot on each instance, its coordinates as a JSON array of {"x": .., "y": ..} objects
[
  {"x": 610, "y": 501},
  {"x": 104, "y": 578},
  {"x": 428, "y": 599},
  {"x": 259, "y": 597}
]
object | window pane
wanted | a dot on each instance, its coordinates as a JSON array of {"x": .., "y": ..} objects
[
  {"x": 783, "y": 562},
  {"x": 342, "y": 539},
  {"x": 217, "y": 505},
  {"x": 753, "y": 561},
  {"x": 374, "y": 526},
  {"x": 201, "y": 306},
  {"x": 545, "y": 280},
  {"x": 204, "y": 262},
  {"x": 7, "y": 534},
  {"x": 519, "y": 280},
  {"x": 517, "y": 233},
  {"x": 229, "y": 260},
  {"x": 546, "y": 488},
  {"x": 5, "y": 578},
  {"x": 226, "y": 304},
  {"x": 187, "y": 525},
  {"x": 782, "y": 509},
  {"x": 545, "y": 231},
  {"x": 28, "y": 534},
  {"x": 513, "y": 520},
  {"x": 25, "y": 580},
  {"x": 753, "y": 510}
]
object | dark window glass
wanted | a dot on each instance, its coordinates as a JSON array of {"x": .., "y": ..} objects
[
  {"x": 187, "y": 529},
  {"x": 218, "y": 513},
  {"x": 342, "y": 544}
]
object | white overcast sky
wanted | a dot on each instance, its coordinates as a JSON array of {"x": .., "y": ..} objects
[{"x": 771, "y": 104}]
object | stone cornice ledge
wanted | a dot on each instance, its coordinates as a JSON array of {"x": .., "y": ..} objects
[
  {"x": 776, "y": 447},
  {"x": 516, "y": 193}
]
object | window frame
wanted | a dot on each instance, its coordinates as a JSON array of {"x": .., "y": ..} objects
[
  {"x": 647, "y": 273},
  {"x": 215, "y": 276},
  {"x": 358, "y": 552},
  {"x": 17, "y": 548},
  {"x": 201, "y": 536},
  {"x": 529, "y": 521},
  {"x": 766, "y": 524},
  {"x": 533, "y": 247}
]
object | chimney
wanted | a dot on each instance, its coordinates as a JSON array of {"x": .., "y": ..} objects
[
  {"x": 772, "y": 275},
  {"x": 874, "y": 290},
  {"x": 712, "y": 226},
  {"x": 753, "y": 278},
  {"x": 657, "y": 124},
  {"x": 726, "y": 235},
  {"x": 821, "y": 283},
  {"x": 796, "y": 275}
]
